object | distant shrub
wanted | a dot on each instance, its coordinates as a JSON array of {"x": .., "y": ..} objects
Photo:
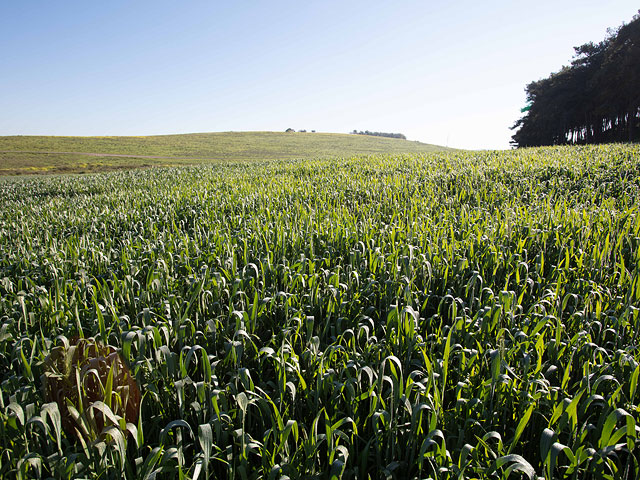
[{"x": 380, "y": 134}]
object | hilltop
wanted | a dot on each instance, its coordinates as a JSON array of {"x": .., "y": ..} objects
[{"x": 53, "y": 154}]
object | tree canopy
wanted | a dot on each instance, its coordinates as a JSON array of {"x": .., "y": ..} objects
[
  {"x": 594, "y": 100},
  {"x": 380, "y": 134}
]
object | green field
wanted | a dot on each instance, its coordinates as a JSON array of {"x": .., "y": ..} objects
[
  {"x": 34, "y": 154},
  {"x": 451, "y": 315}
]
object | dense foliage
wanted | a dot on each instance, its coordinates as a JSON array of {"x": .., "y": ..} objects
[
  {"x": 457, "y": 315},
  {"x": 595, "y": 100}
]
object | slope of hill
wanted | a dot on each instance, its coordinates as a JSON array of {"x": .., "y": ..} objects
[{"x": 46, "y": 154}]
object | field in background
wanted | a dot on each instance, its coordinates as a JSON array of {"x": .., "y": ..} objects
[
  {"x": 449, "y": 315},
  {"x": 35, "y": 154}
]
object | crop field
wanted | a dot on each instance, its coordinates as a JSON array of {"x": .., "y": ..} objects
[
  {"x": 450, "y": 315},
  {"x": 60, "y": 155}
]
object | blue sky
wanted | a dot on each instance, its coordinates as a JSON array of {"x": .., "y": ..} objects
[{"x": 443, "y": 72}]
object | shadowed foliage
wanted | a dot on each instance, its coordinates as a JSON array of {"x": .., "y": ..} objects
[{"x": 595, "y": 100}]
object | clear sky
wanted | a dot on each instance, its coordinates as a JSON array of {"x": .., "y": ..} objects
[{"x": 445, "y": 72}]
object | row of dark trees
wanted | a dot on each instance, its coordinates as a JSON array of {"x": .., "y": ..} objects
[
  {"x": 595, "y": 100},
  {"x": 380, "y": 134}
]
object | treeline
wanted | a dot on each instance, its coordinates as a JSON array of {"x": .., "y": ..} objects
[
  {"x": 594, "y": 100},
  {"x": 380, "y": 134}
]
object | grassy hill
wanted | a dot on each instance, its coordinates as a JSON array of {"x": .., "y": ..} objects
[{"x": 46, "y": 154}]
